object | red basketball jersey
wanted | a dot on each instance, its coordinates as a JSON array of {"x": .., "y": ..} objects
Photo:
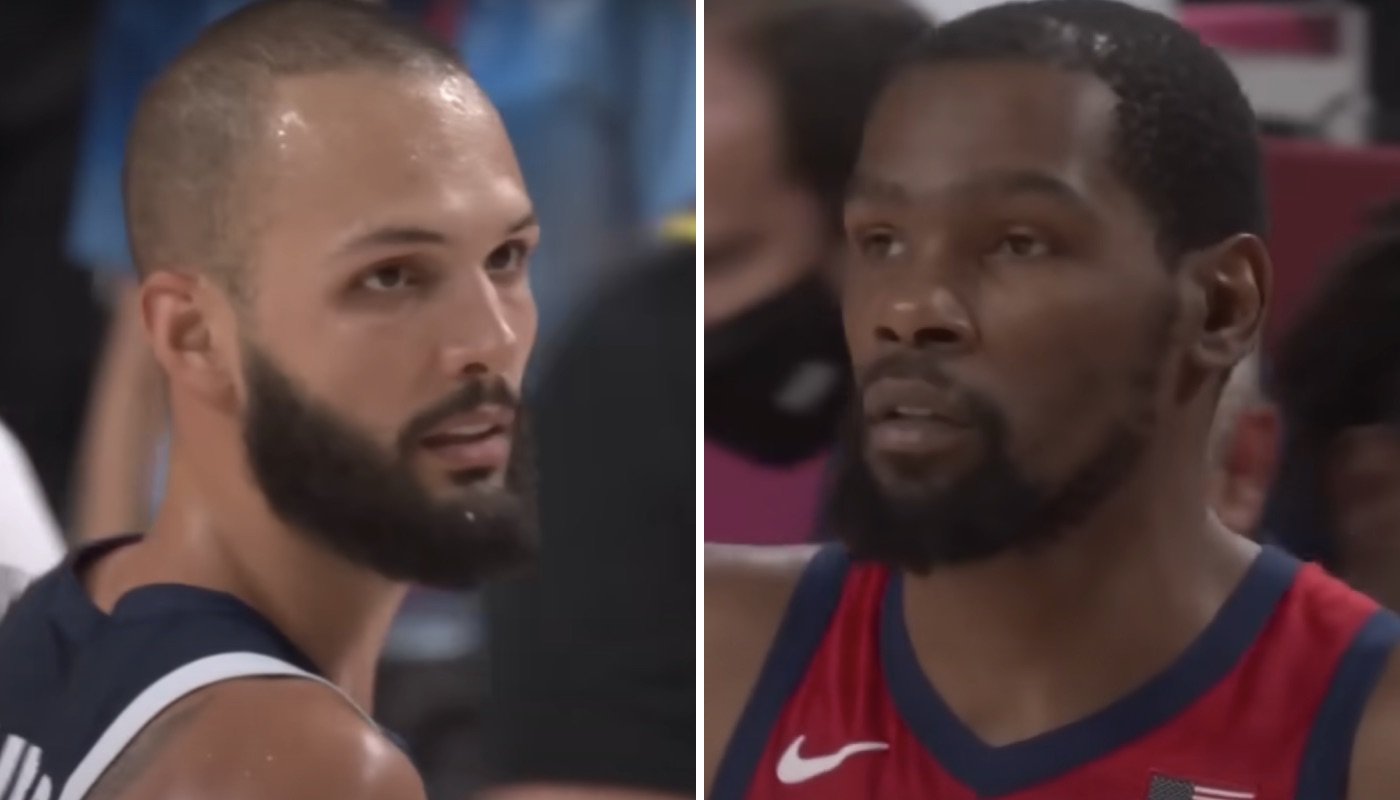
[{"x": 1262, "y": 706}]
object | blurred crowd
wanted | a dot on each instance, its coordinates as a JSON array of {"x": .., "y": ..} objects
[
  {"x": 598, "y": 97},
  {"x": 1307, "y": 440}
]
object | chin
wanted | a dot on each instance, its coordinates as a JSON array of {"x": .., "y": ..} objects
[{"x": 907, "y": 482}]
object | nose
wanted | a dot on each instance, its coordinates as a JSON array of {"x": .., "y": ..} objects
[
  {"x": 482, "y": 337},
  {"x": 929, "y": 318}
]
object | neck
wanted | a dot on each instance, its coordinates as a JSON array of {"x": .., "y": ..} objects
[
  {"x": 1074, "y": 625},
  {"x": 226, "y": 539}
]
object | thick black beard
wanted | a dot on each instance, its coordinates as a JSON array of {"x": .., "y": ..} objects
[
  {"x": 332, "y": 483},
  {"x": 992, "y": 509}
]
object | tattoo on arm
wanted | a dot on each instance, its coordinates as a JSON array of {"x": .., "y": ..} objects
[{"x": 133, "y": 761}]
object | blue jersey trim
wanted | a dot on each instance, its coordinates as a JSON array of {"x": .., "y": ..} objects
[
  {"x": 805, "y": 622},
  {"x": 1327, "y": 760},
  {"x": 996, "y": 771}
]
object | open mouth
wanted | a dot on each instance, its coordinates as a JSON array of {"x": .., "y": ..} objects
[
  {"x": 910, "y": 417},
  {"x": 905, "y": 399},
  {"x": 465, "y": 434},
  {"x": 472, "y": 443}
]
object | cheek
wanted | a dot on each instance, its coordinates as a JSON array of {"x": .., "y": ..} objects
[
  {"x": 368, "y": 375},
  {"x": 859, "y": 293},
  {"x": 522, "y": 315},
  {"x": 1066, "y": 357}
]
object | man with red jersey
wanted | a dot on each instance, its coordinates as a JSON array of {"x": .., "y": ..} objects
[{"x": 1055, "y": 231}]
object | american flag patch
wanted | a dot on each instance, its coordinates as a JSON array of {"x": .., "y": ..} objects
[{"x": 1165, "y": 788}]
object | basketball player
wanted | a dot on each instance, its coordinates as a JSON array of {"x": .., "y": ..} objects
[
  {"x": 1055, "y": 226},
  {"x": 332, "y": 236}
]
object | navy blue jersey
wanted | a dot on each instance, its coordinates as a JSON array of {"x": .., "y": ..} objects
[{"x": 78, "y": 685}]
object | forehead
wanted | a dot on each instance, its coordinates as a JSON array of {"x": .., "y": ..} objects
[
  {"x": 743, "y": 144},
  {"x": 352, "y": 148},
  {"x": 938, "y": 125}
]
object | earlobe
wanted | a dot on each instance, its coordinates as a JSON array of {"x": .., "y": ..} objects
[
  {"x": 1233, "y": 279},
  {"x": 178, "y": 325}
]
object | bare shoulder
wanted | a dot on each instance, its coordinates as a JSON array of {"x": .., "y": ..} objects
[
  {"x": 743, "y": 581},
  {"x": 747, "y": 590},
  {"x": 261, "y": 738},
  {"x": 1375, "y": 771}
]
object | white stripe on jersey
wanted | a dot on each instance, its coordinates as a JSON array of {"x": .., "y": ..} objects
[{"x": 163, "y": 693}]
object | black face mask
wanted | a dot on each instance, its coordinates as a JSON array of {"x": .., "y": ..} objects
[{"x": 777, "y": 376}]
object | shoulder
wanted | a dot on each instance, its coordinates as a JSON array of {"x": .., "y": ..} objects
[
  {"x": 1375, "y": 772},
  {"x": 752, "y": 580},
  {"x": 261, "y": 738},
  {"x": 747, "y": 590}
]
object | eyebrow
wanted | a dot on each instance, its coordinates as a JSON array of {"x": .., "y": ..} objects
[
  {"x": 876, "y": 189},
  {"x": 409, "y": 234}
]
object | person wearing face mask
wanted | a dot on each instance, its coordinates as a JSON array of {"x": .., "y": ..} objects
[{"x": 787, "y": 86}]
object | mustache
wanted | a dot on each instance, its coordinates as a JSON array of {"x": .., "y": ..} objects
[
  {"x": 908, "y": 365},
  {"x": 475, "y": 393}
]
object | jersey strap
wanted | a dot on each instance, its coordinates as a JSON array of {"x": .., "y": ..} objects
[
  {"x": 168, "y": 690},
  {"x": 804, "y": 625},
  {"x": 1327, "y": 760}
]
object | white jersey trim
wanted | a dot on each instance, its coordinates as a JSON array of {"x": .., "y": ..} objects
[{"x": 172, "y": 687}]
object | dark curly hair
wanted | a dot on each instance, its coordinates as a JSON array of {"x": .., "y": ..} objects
[
  {"x": 827, "y": 61},
  {"x": 1187, "y": 140},
  {"x": 1337, "y": 367},
  {"x": 1339, "y": 364}
]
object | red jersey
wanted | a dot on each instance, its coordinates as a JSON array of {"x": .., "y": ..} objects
[{"x": 1262, "y": 706}]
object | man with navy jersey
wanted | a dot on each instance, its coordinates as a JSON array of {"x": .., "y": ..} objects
[{"x": 332, "y": 236}]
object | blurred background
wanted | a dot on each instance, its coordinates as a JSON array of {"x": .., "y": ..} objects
[
  {"x": 579, "y": 672},
  {"x": 1308, "y": 435}
]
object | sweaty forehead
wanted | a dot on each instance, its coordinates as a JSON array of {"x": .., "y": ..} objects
[
  {"x": 345, "y": 145},
  {"x": 939, "y": 125}
]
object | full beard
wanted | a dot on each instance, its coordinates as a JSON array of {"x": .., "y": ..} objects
[
  {"x": 994, "y": 507},
  {"x": 333, "y": 484}
]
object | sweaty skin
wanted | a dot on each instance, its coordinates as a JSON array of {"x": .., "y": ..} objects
[{"x": 375, "y": 329}]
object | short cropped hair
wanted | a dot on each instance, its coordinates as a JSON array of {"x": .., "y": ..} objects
[
  {"x": 1186, "y": 139},
  {"x": 826, "y": 61},
  {"x": 197, "y": 125}
]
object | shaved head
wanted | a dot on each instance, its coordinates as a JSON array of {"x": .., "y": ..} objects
[{"x": 189, "y": 182}]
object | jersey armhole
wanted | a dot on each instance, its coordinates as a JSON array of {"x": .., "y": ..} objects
[
  {"x": 1327, "y": 758},
  {"x": 804, "y": 625},
  {"x": 178, "y": 683}
]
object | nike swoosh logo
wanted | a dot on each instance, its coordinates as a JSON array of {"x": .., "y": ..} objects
[{"x": 793, "y": 768}]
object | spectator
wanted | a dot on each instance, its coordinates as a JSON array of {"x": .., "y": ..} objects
[
  {"x": 787, "y": 86},
  {"x": 1339, "y": 385}
]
